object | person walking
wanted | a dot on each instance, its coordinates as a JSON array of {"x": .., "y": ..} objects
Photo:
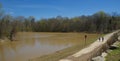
[
  {"x": 102, "y": 39},
  {"x": 99, "y": 39}
]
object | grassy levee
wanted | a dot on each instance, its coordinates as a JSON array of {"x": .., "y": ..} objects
[
  {"x": 95, "y": 49},
  {"x": 65, "y": 52},
  {"x": 114, "y": 55},
  {"x": 105, "y": 46}
]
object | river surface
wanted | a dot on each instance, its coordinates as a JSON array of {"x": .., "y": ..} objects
[{"x": 32, "y": 44}]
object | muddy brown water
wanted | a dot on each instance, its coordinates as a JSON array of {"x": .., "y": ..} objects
[{"x": 31, "y": 45}]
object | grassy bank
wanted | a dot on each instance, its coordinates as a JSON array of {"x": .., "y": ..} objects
[
  {"x": 114, "y": 55},
  {"x": 65, "y": 52}
]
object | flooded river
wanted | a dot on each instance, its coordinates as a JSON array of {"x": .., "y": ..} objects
[{"x": 32, "y": 44}]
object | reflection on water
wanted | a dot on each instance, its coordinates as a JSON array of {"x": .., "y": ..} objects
[{"x": 31, "y": 45}]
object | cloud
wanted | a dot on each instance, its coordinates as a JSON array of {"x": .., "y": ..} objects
[
  {"x": 40, "y": 7},
  {"x": 11, "y": 12},
  {"x": 8, "y": 9}
]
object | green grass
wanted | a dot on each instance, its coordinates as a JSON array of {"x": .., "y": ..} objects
[{"x": 114, "y": 55}]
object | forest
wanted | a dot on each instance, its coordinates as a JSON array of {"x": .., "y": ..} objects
[{"x": 99, "y": 22}]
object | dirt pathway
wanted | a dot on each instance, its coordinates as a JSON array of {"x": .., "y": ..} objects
[{"x": 85, "y": 52}]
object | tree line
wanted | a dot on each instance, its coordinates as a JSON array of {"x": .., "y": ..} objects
[{"x": 99, "y": 22}]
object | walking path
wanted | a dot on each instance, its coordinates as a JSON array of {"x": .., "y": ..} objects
[{"x": 88, "y": 49}]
